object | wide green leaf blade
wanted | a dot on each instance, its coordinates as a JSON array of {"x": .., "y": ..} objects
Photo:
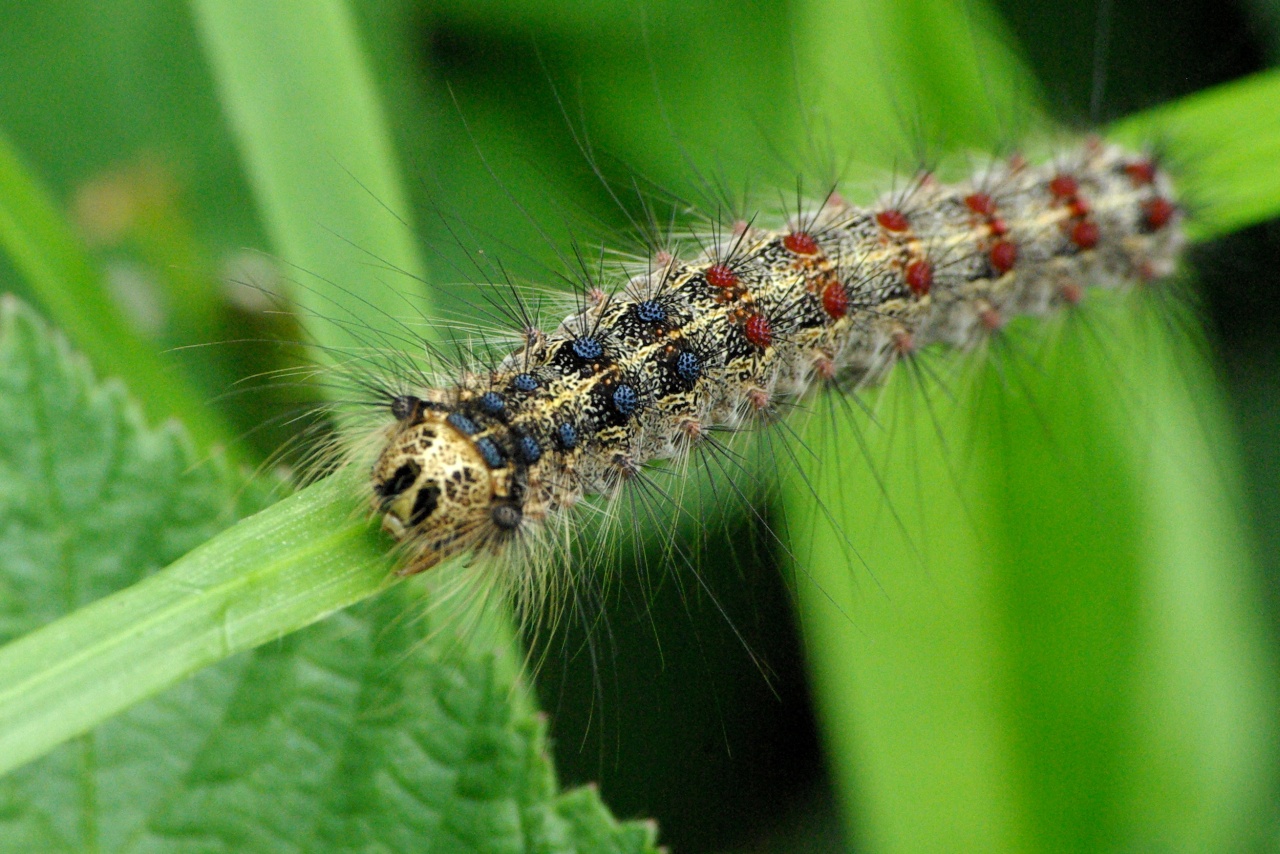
[
  {"x": 1224, "y": 143},
  {"x": 1029, "y": 608},
  {"x": 298, "y": 92},
  {"x": 379, "y": 729}
]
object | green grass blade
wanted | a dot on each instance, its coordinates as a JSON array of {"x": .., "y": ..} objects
[
  {"x": 302, "y": 103},
  {"x": 1022, "y": 665},
  {"x": 272, "y": 574},
  {"x": 1225, "y": 144},
  {"x": 68, "y": 285}
]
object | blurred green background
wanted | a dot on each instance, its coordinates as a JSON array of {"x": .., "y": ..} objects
[{"x": 116, "y": 109}]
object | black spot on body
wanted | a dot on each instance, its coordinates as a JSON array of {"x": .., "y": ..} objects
[
  {"x": 650, "y": 311},
  {"x": 737, "y": 346},
  {"x": 625, "y": 400},
  {"x": 506, "y": 516},
  {"x": 406, "y": 407},
  {"x": 583, "y": 356},
  {"x": 587, "y": 349},
  {"x": 688, "y": 366},
  {"x": 808, "y": 312}
]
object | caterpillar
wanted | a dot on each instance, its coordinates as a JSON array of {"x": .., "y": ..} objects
[
  {"x": 939, "y": 702},
  {"x": 730, "y": 331},
  {"x": 684, "y": 348}
]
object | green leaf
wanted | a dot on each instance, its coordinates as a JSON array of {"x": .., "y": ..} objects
[
  {"x": 366, "y": 730},
  {"x": 280, "y": 570},
  {"x": 91, "y": 501},
  {"x": 387, "y": 725},
  {"x": 1052, "y": 642},
  {"x": 311, "y": 740},
  {"x": 378, "y": 730},
  {"x": 887, "y": 77}
]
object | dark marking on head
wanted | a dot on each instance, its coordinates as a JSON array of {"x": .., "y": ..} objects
[
  {"x": 400, "y": 480},
  {"x": 425, "y": 504}
]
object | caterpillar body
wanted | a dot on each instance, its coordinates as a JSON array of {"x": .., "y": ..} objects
[{"x": 836, "y": 296}]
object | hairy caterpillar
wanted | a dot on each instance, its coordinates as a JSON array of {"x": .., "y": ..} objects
[
  {"x": 467, "y": 382},
  {"x": 462, "y": 388},
  {"x": 1029, "y": 683},
  {"x": 714, "y": 343}
]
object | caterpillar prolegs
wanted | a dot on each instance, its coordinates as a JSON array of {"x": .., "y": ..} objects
[{"x": 759, "y": 317}]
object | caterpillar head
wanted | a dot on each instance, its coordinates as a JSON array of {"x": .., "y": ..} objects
[{"x": 434, "y": 487}]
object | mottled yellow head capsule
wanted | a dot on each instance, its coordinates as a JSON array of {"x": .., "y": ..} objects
[{"x": 432, "y": 485}]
